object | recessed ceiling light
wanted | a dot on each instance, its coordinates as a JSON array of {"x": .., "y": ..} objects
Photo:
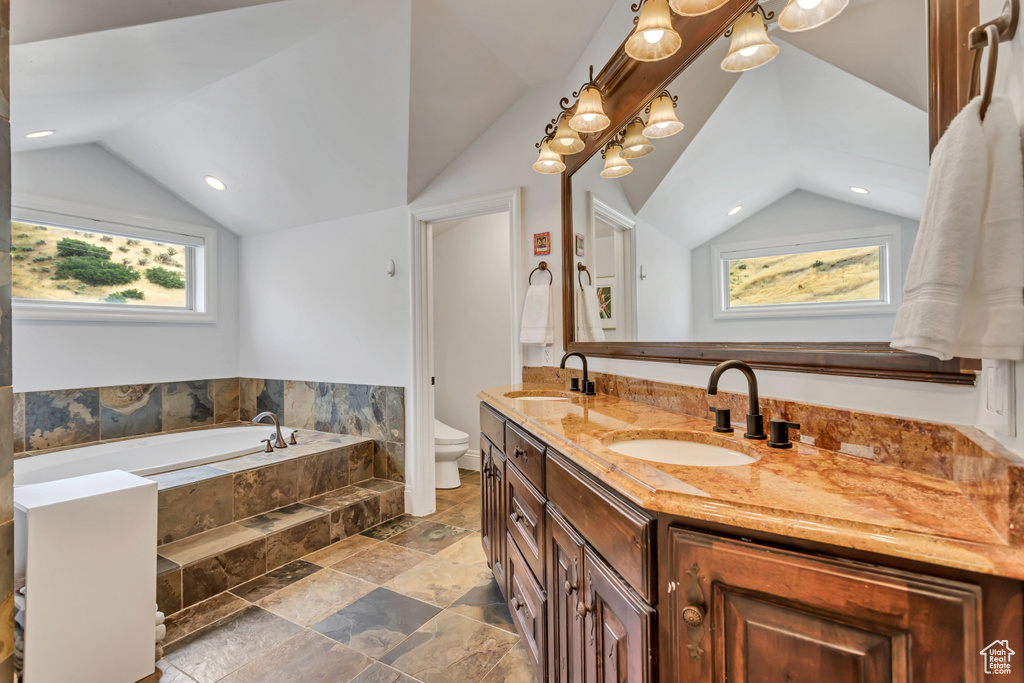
[
  {"x": 215, "y": 183},
  {"x": 735, "y": 210},
  {"x": 40, "y": 133},
  {"x": 858, "y": 190}
]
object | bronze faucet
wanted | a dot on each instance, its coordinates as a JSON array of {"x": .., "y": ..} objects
[
  {"x": 755, "y": 421},
  {"x": 277, "y": 424},
  {"x": 587, "y": 387}
]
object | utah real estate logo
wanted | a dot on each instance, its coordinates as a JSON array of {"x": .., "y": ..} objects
[{"x": 997, "y": 657}]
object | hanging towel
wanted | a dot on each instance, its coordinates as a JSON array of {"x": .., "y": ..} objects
[
  {"x": 589, "y": 315},
  {"x": 964, "y": 292},
  {"x": 538, "y": 317}
]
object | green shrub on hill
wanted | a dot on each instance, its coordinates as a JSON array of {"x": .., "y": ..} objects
[
  {"x": 70, "y": 247},
  {"x": 94, "y": 271},
  {"x": 165, "y": 278}
]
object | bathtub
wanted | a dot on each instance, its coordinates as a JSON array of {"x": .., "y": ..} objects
[{"x": 145, "y": 455}]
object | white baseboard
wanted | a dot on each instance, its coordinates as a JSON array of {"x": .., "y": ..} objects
[{"x": 470, "y": 460}]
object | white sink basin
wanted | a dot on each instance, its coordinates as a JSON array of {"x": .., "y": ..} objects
[
  {"x": 674, "y": 452},
  {"x": 541, "y": 398}
]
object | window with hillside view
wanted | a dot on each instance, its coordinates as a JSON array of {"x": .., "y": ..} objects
[{"x": 51, "y": 263}]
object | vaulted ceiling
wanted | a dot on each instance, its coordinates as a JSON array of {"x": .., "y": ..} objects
[{"x": 308, "y": 109}]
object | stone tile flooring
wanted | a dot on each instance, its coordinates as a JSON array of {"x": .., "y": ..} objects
[{"x": 408, "y": 600}]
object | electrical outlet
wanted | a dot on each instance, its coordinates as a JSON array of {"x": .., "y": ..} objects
[
  {"x": 998, "y": 377},
  {"x": 549, "y": 357}
]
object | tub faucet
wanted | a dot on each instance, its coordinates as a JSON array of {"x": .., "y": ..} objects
[
  {"x": 755, "y": 421},
  {"x": 277, "y": 424}
]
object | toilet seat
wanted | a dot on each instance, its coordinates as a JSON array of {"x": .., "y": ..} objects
[
  {"x": 450, "y": 444},
  {"x": 445, "y": 435}
]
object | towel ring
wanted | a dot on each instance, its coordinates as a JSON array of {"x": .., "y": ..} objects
[
  {"x": 583, "y": 269},
  {"x": 543, "y": 266},
  {"x": 992, "y": 33}
]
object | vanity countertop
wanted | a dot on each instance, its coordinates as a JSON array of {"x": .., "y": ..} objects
[{"x": 805, "y": 492}]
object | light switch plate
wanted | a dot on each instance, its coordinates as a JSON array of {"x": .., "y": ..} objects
[{"x": 1000, "y": 396}]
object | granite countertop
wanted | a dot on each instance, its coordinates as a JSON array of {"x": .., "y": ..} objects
[{"x": 805, "y": 492}]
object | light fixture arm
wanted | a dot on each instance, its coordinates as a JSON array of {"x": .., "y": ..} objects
[
  {"x": 767, "y": 16},
  {"x": 548, "y": 137},
  {"x": 674, "y": 99}
]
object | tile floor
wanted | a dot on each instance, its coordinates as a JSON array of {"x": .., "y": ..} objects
[{"x": 409, "y": 600}]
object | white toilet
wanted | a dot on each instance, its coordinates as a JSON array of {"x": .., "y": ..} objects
[{"x": 449, "y": 445}]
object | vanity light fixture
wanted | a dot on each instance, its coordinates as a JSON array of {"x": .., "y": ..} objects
[
  {"x": 858, "y": 190},
  {"x": 635, "y": 144},
  {"x": 41, "y": 134},
  {"x": 735, "y": 210},
  {"x": 654, "y": 38},
  {"x": 614, "y": 165},
  {"x": 694, "y": 8},
  {"x": 548, "y": 161},
  {"x": 566, "y": 140},
  {"x": 803, "y": 15},
  {"x": 662, "y": 121},
  {"x": 216, "y": 183},
  {"x": 589, "y": 116},
  {"x": 750, "y": 47}
]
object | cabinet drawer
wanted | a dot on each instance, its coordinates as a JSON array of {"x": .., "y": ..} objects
[
  {"x": 526, "y": 520},
  {"x": 493, "y": 426},
  {"x": 618, "y": 531},
  {"x": 529, "y": 610},
  {"x": 526, "y": 453}
]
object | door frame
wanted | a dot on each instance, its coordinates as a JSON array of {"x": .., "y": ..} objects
[
  {"x": 624, "y": 235},
  {"x": 419, "y": 464}
]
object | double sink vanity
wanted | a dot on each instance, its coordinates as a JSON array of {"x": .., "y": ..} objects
[{"x": 634, "y": 543}]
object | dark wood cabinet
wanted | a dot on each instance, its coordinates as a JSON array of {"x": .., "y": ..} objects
[
  {"x": 493, "y": 508},
  {"x": 528, "y": 605},
  {"x": 617, "y": 629},
  {"x": 751, "y": 614},
  {"x": 525, "y": 520},
  {"x": 565, "y": 579}
]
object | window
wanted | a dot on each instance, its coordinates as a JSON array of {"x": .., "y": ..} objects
[
  {"x": 850, "y": 273},
  {"x": 70, "y": 263}
]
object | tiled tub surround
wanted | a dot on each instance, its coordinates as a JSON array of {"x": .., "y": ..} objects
[
  {"x": 967, "y": 514},
  {"x": 222, "y": 524},
  {"x": 48, "y": 420}
]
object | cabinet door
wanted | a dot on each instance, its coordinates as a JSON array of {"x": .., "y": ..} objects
[
  {"x": 750, "y": 614},
  {"x": 486, "y": 498},
  {"x": 492, "y": 521},
  {"x": 565, "y": 626},
  {"x": 617, "y": 629}
]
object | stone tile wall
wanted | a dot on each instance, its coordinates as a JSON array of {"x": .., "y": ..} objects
[
  {"x": 6, "y": 395},
  {"x": 45, "y": 420}
]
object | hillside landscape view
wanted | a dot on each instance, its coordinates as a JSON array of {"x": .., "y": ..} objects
[
  {"x": 817, "y": 276},
  {"x": 60, "y": 264}
]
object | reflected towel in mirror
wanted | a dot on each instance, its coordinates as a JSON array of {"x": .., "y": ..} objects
[{"x": 588, "y": 326}]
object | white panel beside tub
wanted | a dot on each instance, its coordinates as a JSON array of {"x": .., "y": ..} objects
[{"x": 86, "y": 547}]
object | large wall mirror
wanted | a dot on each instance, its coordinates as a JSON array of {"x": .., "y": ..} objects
[{"x": 778, "y": 224}]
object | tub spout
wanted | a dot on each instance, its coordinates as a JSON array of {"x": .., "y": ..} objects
[{"x": 277, "y": 425}]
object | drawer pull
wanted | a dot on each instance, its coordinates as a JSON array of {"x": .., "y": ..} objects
[
  {"x": 570, "y": 588},
  {"x": 519, "y": 453},
  {"x": 514, "y": 516},
  {"x": 517, "y": 604},
  {"x": 582, "y": 609},
  {"x": 693, "y": 616}
]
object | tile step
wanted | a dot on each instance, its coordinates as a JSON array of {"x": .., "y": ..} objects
[{"x": 205, "y": 564}]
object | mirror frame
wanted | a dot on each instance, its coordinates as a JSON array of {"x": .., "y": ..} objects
[{"x": 629, "y": 86}]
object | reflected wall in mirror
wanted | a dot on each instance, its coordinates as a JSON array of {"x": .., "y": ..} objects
[{"x": 787, "y": 207}]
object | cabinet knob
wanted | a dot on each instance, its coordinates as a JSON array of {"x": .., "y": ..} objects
[
  {"x": 518, "y": 452},
  {"x": 693, "y": 616},
  {"x": 517, "y": 604},
  {"x": 582, "y": 609},
  {"x": 570, "y": 588},
  {"x": 514, "y": 516}
]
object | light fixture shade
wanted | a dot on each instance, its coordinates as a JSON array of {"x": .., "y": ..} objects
[
  {"x": 653, "y": 38},
  {"x": 662, "y": 122},
  {"x": 750, "y": 46},
  {"x": 614, "y": 165},
  {"x": 548, "y": 161},
  {"x": 566, "y": 140},
  {"x": 590, "y": 116},
  {"x": 694, "y": 8},
  {"x": 636, "y": 144},
  {"x": 803, "y": 15}
]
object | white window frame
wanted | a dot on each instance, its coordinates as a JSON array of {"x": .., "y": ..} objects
[
  {"x": 202, "y": 306},
  {"x": 886, "y": 236}
]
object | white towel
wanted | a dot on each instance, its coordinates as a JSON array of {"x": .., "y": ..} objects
[
  {"x": 538, "y": 317},
  {"x": 588, "y": 328},
  {"x": 964, "y": 293}
]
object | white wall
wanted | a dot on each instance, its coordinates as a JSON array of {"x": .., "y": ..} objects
[
  {"x": 798, "y": 214},
  {"x": 663, "y": 301},
  {"x": 472, "y": 320},
  {"x": 316, "y": 303},
  {"x": 64, "y": 355}
]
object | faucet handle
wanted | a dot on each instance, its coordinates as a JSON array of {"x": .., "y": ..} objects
[
  {"x": 780, "y": 433},
  {"x": 755, "y": 427},
  {"x": 723, "y": 420},
  {"x": 269, "y": 448},
  {"x": 291, "y": 439}
]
